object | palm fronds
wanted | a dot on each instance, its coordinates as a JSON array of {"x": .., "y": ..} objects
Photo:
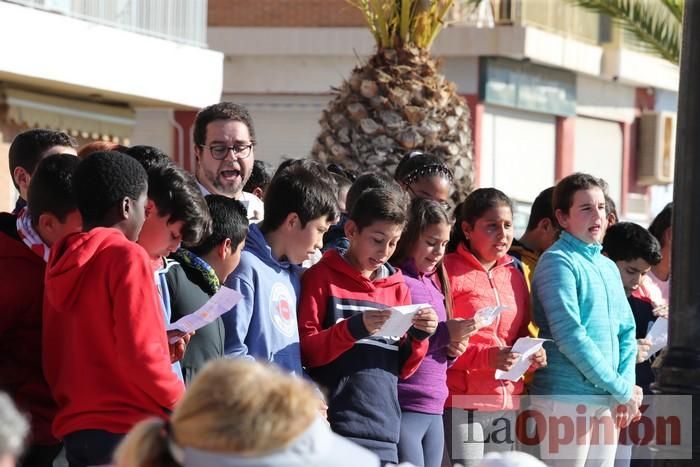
[
  {"x": 404, "y": 23},
  {"x": 655, "y": 23}
]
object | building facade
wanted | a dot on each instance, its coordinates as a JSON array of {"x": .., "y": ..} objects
[
  {"x": 98, "y": 69},
  {"x": 552, "y": 89}
]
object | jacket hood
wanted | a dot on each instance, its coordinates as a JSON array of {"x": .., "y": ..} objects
[
  {"x": 334, "y": 260},
  {"x": 255, "y": 243},
  {"x": 315, "y": 447},
  {"x": 67, "y": 264}
]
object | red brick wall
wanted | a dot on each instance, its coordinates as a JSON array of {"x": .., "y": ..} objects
[{"x": 284, "y": 13}]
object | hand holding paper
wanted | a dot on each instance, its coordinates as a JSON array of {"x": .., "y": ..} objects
[
  {"x": 526, "y": 347},
  {"x": 658, "y": 335},
  {"x": 221, "y": 302},
  {"x": 486, "y": 316},
  {"x": 400, "y": 320}
]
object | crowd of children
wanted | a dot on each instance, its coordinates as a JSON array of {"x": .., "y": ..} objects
[{"x": 107, "y": 249}]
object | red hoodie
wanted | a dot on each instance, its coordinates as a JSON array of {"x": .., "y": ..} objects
[
  {"x": 22, "y": 289},
  {"x": 359, "y": 371},
  {"x": 106, "y": 354}
]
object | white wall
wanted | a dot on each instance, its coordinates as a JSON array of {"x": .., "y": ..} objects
[
  {"x": 62, "y": 53},
  {"x": 154, "y": 128},
  {"x": 598, "y": 151},
  {"x": 285, "y": 126},
  {"x": 518, "y": 151}
]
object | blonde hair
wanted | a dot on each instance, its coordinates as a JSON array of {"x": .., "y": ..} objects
[{"x": 233, "y": 406}]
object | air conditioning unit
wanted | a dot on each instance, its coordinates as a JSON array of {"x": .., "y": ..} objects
[{"x": 657, "y": 147}]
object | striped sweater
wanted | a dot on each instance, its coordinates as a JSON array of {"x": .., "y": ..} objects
[{"x": 580, "y": 304}]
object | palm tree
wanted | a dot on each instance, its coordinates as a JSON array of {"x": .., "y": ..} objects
[
  {"x": 655, "y": 23},
  {"x": 398, "y": 101}
]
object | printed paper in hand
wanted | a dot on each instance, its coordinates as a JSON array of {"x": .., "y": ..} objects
[
  {"x": 221, "y": 302},
  {"x": 486, "y": 316},
  {"x": 526, "y": 347},
  {"x": 658, "y": 335},
  {"x": 400, "y": 321}
]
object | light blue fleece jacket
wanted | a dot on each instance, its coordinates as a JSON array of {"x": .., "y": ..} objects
[
  {"x": 580, "y": 304},
  {"x": 263, "y": 325}
]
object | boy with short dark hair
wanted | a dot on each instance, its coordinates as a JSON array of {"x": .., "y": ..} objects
[
  {"x": 105, "y": 351},
  {"x": 198, "y": 272},
  {"x": 342, "y": 307},
  {"x": 259, "y": 179},
  {"x": 635, "y": 251},
  {"x": 25, "y": 243},
  {"x": 335, "y": 237},
  {"x": 176, "y": 212},
  {"x": 541, "y": 232},
  {"x": 30, "y": 147},
  {"x": 300, "y": 205}
]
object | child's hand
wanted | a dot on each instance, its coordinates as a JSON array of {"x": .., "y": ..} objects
[
  {"x": 375, "y": 319},
  {"x": 426, "y": 320},
  {"x": 455, "y": 349},
  {"x": 629, "y": 412},
  {"x": 539, "y": 359},
  {"x": 177, "y": 349},
  {"x": 661, "y": 311},
  {"x": 501, "y": 358},
  {"x": 460, "y": 328},
  {"x": 643, "y": 347}
]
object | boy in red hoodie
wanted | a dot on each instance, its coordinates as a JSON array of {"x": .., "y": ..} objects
[
  {"x": 25, "y": 243},
  {"x": 342, "y": 307},
  {"x": 105, "y": 351}
]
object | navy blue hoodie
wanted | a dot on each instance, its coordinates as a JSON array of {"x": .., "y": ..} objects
[{"x": 263, "y": 325}]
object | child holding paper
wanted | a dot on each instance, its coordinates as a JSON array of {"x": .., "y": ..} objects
[
  {"x": 580, "y": 304},
  {"x": 422, "y": 396},
  {"x": 342, "y": 307},
  {"x": 635, "y": 251},
  {"x": 482, "y": 275}
]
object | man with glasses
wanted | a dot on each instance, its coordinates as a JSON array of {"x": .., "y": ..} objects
[{"x": 224, "y": 141}]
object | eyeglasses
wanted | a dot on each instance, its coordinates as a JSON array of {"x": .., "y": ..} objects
[{"x": 219, "y": 151}]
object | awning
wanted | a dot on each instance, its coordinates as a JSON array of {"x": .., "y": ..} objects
[{"x": 78, "y": 118}]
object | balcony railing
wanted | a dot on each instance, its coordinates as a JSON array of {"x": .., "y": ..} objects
[
  {"x": 557, "y": 16},
  {"x": 183, "y": 21}
]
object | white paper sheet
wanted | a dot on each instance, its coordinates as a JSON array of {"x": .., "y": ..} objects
[
  {"x": 221, "y": 302},
  {"x": 401, "y": 320},
  {"x": 486, "y": 316},
  {"x": 658, "y": 335},
  {"x": 526, "y": 347}
]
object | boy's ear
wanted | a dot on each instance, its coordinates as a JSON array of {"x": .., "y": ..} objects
[
  {"x": 291, "y": 220},
  {"x": 21, "y": 178},
  {"x": 47, "y": 222},
  {"x": 257, "y": 191},
  {"x": 350, "y": 228},
  {"x": 125, "y": 208},
  {"x": 223, "y": 250},
  {"x": 545, "y": 224}
]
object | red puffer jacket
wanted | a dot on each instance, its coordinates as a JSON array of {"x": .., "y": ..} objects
[{"x": 474, "y": 288}]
